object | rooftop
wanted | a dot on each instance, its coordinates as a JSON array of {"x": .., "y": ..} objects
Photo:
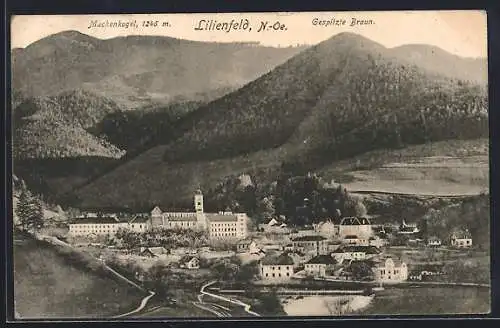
[
  {"x": 155, "y": 250},
  {"x": 213, "y": 217},
  {"x": 355, "y": 221},
  {"x": 322, "y": 259},
  {"x": 139, "y": 219},
  {"x": 382, "y": 262},
  {"x": 283, "y": 259},
  {"x": 97, "y": 220},
  {"x": 309, "y": 238},
  {"x": 462, "y": 235},
  {"x": 364, "y": 249}
]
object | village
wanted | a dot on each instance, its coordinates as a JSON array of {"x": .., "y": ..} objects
[{"x": 350, "y": 250}]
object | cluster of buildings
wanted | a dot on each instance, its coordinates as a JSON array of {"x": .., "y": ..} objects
[
  {"x": 351, "y": 241},
  {"x": 328, "y": 252},
  {"x": 222, "y": 225},
  {"x": 316, "y": 255}
]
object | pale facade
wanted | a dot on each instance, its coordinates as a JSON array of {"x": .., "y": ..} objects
[
  {"x": 96, "y": 226},
  {"x": 391, "y": 271},
  {"x": 310, "y": 244},
  {"x": 222, "y": 225},
  {"x": 227, "y": 225},
  {"x": 276, "y": 267},
  {"x": 139, "y": 224},
  {"x": 461, "y": 242},
  {"x": 317, "y": 266},
  {"x": 360, "y": 227}
]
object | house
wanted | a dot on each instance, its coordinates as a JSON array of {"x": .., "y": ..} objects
[
  {"x": 273, "y": 222},
  {"x": 139, "y": 224},
  {"x": 355, "y": 240},
  {"x": 408, "y": 229},
  {"x": 314, "y": 244},
  {"x": 390, "y": 270},
  {"x": 247, "y": 246},
  {"x": 270, "y": 246},
  {"x": 433, "y": 241},
  {"x": 190, "y": 262},
  {"x": 288, "y": 247},
  {"x": 333, "y": 245},
  {"x": 278, "y": 267},
  {"x": 319, "y": 265},
  {"x": 461, "y": 239},
  {"x": 377, "y": 242},
  {"x": 153, "y": 251},
  {"x": 357, "y": 253},
  {"x": 223, "y": 225},
  {"x": 243, "y": 246},
  {"x": 360, "y": 227}
]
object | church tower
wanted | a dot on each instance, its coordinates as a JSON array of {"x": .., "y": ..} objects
[
  {"x": 198, "y": 201},
  {"x": 198, "y": 206}
]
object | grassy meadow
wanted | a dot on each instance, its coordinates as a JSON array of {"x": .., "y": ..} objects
[{"x": 53, "y": 282}]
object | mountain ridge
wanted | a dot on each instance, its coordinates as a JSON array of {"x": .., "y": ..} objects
[
  {"x": 341, "y": 98},
  {"x": 117, "y": 67}
]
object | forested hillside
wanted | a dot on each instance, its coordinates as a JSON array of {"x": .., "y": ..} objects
[
  {"x": 58, "y": 126},
  {"x": 344, "y": 97},
  {"x": 135, "y": 71}
]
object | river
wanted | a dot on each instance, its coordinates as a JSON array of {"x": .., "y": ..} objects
[{"x": 395, "y": 301}]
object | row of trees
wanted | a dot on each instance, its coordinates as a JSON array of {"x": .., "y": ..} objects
[
  {"x": 159, "y": 237},
  {"x": 302, "y": 199}
]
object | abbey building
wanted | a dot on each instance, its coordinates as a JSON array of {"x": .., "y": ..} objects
[{"x": 222, "y": 225}]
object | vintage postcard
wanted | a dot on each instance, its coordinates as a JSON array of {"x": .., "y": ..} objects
[{"x": 250, "y": 165}]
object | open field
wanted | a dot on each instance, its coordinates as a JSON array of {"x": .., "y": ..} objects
[
  {"x": 429, "y": 301},
  {"x": 456, "y": 167},
  {"x": 50, "y": 282},
  {"x": 447, "y": 167}
]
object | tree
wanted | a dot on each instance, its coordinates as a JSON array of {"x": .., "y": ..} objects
[
  {"x": 361, "y": 270},
  {"x": 30, "y": 212},
  {"x": 266, "y": 208},
  {"x": 360, "y": 209}
]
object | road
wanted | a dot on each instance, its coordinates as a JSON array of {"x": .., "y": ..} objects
[
  {"x": 141, "y": 306},
  {"x": 245, "y": 306}
]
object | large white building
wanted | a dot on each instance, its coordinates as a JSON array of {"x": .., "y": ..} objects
[
  {"x": 222, "y": 225},
  {"x": 101, "y": 226},
  {"x": 96, "y": 226}
]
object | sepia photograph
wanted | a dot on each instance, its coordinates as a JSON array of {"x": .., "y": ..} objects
[{"x": 250, "y": 165}]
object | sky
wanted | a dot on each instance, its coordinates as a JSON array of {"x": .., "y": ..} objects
[{"x": 463, "y": 33}]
